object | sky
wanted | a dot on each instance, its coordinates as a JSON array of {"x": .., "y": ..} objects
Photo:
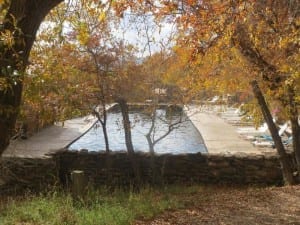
[
  {"x": 145, "y": 33},
  {"x": 140, "y": 31}
]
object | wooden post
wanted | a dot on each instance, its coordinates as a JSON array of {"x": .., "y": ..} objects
[{"x": 78, "y": 184}]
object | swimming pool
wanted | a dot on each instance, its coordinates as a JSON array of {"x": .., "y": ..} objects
[{"x": 184, "y": 139}]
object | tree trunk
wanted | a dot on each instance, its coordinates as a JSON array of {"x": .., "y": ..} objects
[
  {"x": 128, "y": 140},
  {"x": 104, "y": 130},
  {"x": 105, "y": 137},
  {"x": 153, "y": 172},
  {"x": 22, "y": 20},
  {"x": 150, "y": 144},
  {"x": 274, "y": 80},
  {"x": 283, "y": 158},
  {"x": 148, "y": 135},
  {"x": 295, "y": 126},
  {"x": 103, "y": 124},
  {"x": 126, "y": 124}
]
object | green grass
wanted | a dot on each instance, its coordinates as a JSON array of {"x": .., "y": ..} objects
[{"x": 98, "y": 207}]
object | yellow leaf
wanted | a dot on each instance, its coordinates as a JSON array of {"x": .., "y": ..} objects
[
  {"x": 102, "y": 16},
  {"x": 83, "y": 36}
]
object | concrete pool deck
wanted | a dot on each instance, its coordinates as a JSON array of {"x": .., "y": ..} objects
[
  {"x": 219, "y": 136},
  {"x": 50, "y": 139}
]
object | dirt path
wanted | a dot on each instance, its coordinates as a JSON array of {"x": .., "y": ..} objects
[{"x": 236, "y": 206}]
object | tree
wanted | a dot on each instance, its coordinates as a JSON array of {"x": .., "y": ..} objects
[
  {"x": 91, "y": 32},
  {"x": 55, "y": 86},
  {"x": 127, "y": 86},
  {"x": 272, "y": 50},
  {"x": 155, "y": 68},
  {"x": 266, "y": 33},
  {"x": 20, "y": 22},
  {"x": 171, "y": 124}
]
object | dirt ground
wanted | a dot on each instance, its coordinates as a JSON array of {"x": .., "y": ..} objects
[{"x": 230, "y": 205}]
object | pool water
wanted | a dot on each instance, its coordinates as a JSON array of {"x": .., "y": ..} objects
[{"x": 184, "y": 139}]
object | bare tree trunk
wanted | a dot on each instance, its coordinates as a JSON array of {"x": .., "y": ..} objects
[
  {"x": 104, "y": 129},
  {"x": 150, "y": 144},
  {"x": 102, "y": 97},
  {"x": 22, "y": 19},
  {"x": 103, "y": 124},
  {"x": 154, "y": 174},
  {"x": 105, "y": 138},
  {"x": 148, "y": 135},
  {"x": 283, "y": 158},
  {"x": 126, "y": 124},
  {"x": 104, "y": 121},
  {"x": 274, "y": 80},
  {"x": 295, "y": 126},
  {"x": 128, "y": 140}
]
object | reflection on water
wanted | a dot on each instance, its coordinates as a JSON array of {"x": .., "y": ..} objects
[{"x": 184, "y": 139}]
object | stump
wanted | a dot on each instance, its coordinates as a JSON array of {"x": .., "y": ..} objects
[{"x": 78, "y": 184}]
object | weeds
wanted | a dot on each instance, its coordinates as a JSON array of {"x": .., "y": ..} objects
[{"x": 98, "y": 207}]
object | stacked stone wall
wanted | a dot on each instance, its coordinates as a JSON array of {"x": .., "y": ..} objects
[
  {"x": 115, "y": 169},
  {"x": 21, "y": 174}
]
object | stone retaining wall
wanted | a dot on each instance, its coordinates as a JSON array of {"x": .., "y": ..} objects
[
  {"x": 20, "y": 174},
  {"x": 116, "y": 168}
]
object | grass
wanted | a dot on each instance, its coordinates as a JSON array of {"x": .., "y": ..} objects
[
  {"x": 198, "y": 204},
  {"x": 98, "y": 207}
]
